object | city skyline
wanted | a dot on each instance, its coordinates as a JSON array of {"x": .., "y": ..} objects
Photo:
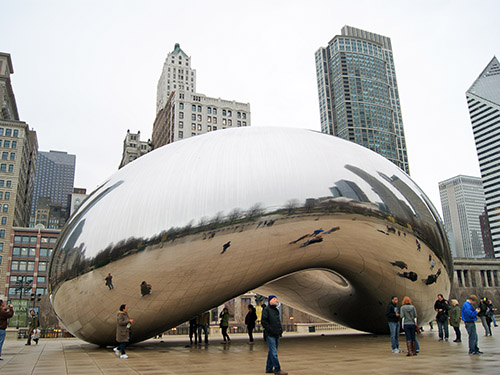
[{"x": 101, "y": 75}]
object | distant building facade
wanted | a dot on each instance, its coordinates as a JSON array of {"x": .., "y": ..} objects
[
  {"x": 462, "y": 200},
  {"x": 486, "y": 234},
  {"x": 55, "y": 177},
  {"x": 483, "y": 100},
  {"x": 28, "y": 260},
  {"x": 75, "y": 199},
  {"x": 133, "y": 148},
  {"x": 182, "y": 112},
  {"x": 18, "y": 147},
  {"x": 358, "y": 93}
]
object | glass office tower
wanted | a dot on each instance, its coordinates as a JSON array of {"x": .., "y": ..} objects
[{"x": 358, "y": 93}]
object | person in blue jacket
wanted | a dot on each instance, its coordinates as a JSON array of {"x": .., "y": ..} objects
[{"x": 469, "y": 317}]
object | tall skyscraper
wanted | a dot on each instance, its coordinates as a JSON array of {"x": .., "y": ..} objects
[
  {"x": 358, "y": 93},
  {"x": 55, "y": 177},
  {"x": 182, "y": 112},
  {"x": 18, "y": 147},
  {"x": 483, "y": 99},
  {"x": 462, "y": 200}
]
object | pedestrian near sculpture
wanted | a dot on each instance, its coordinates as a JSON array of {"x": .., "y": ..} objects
[
  {"x": 441, "y": 306},
  {"x": 409, "y": 316},
  {"x": 483, "y": 314},
  {"x": 6, "y": 313},
  {"x": 250, "y": 319},
  {"x": 123, "y": 324},
  {"x": 394, "y": 321},
  {"x": 109, "y": 281},
  {"x": 33, "y": 323},
  {"x": 273, "y": 331},
  {"x": 203, "y": 322},
  {"x": 469, "y": 316},
  {"x": 224, "y": 325},
  {"x": 455, "y": 312}
]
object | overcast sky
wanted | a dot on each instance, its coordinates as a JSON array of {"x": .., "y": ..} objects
[{"x": 86, "y": 71}]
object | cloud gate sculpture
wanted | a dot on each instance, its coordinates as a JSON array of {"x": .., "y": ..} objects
[{"x": 330, "y": 227}]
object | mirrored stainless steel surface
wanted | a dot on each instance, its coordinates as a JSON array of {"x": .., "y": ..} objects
[{"x": 330, "y": 227}]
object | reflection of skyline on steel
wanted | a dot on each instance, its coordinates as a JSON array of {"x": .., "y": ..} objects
[{"x": 166, "y": 217}]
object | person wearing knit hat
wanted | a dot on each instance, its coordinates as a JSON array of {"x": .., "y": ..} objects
[{"x": 273, "y": 329}]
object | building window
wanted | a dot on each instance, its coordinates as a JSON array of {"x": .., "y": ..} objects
[
  {"x": 199, "y": 127},
  {"x": 42, "y": 266},
  {"x": 14, "y": 144},
  {"x": 41, "y": 291},
  {"x": 181, "y": 124},
  {"x": 1, "y": 246},
  {"x": 229, "y": 113},
  {"x": 5, "y": 156},
  {"x": 193, "y": 108},
  {"x": 181, "y": 114},
  {"x": 2, "y": 233},
  {"x": 209, "y": 120},
  {"x": 12, "y": 156},
  {"x": 44, "y": 252},
  {"x": 224, "y": 121},
  {"x": 193, "y": 117},
  {"x": 199, "y": 108},
  {"x": 8, "y": 183},
  {"x": 214, "y": 111},
  {"x": 238, "y": 114},
  {"x": 199, "y": 118},
  {"x": 181, "y": 134},
  {"x": 5, "y": 208},
  {"x": 14, "y": 266},
  {"x": 41, "y": 280},
  {"x": 214, "y": 128},
  {"x": 23, "y": 265},
  {"x": 11, "y": 167},
  {"x": 31, "y": 266},
  {"x": 3, "y": 167},
  {"x": 181, "y": 105},
  {"x": 209, "y": 110},
  {"x": 16, "y": 133},
  {"x": 215, "y": 120},
  {"x": 244, "y": 115},
  {"x": 2, "y": 182},
  {"x": 239, "y": 123},
  {"x": 4, "y": 220},
  {"x": 209, "y": 127},
  {"x": 6, "y": 144},
  {"x": 17, "y": 239},
  {"x": 244, "y": 123},
  {"x": 224, "y": 112},
  {"x": 8, "y": 132},
  {"x": 230, "y": 122},
  {"x": 193, "y": 126},
  {"x": 32, "y": 252}
]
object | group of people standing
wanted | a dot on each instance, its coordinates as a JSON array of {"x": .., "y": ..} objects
[{"x": 445, "y": 313}]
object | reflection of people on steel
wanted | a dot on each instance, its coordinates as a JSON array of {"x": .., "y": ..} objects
[
  {"x": 316, "y": 232},
  {"x": 332, "y": 230},
  {"x": 400, "y": 264},
  {"x": 145, "y": 288},
  {"x": 225, "y": 246},
  {"x": 311, "y": 241},
  {"x": 431, "y": 279},
  {"x": 109, "y": 281},
  {"x": 298, "y": 239},
  {"x": 409, "y": 275},
  {"x": 418, "y": 244}
]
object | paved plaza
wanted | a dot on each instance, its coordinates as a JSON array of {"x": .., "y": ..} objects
[{"x": 345, "y": 352}]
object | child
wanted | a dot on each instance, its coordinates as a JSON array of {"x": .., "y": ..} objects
[{"x": 35, "y": 336}]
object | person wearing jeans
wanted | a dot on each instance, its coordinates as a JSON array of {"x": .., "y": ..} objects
[
  {"x": 469, "y": 316},
  {"x": 393, "y": 316},
  {"x": 273, "y": 329},
  {"x": 441, "y": 306},
  {"x": 203, "y": 322},
  {"x": 6, "y": 312}
]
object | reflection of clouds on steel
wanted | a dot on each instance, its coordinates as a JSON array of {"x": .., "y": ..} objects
[{"x": 272, "y": 203}]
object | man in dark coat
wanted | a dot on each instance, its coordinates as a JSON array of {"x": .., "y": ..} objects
[
  {"x": 393, "y": 318},
  {"x": 441, "y": 306},
  {"x": 273, "y": 329}
]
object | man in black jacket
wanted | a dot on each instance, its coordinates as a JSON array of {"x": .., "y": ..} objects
[
  {"x": 393, "y": 317},
  {"x": 273, "y": 329},
  {"x": 441, "y": 307}
]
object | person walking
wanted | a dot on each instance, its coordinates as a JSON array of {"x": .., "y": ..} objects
[
  {"x": 33, "y": 323},
  {"x": 203, "y": 322},
  {"x": 393, "y": 319},
  {"x": 250, "y": 319},
  {"x": 483, "y": 315},
  {"x": 455, "y": 319},
  {"x": 409, "y": 316},
  {"x": 224, "y": 325},
  {"x": 109, "y": 281},
  {"x": 193, "y": 328},
  {"x": 273, "y": 331},
  {"x": 6, "y": 313},
  {"x": 123, "y": 323},
  {"x": 469, "y": 316},
  {"x": 441, "y": 306}
]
